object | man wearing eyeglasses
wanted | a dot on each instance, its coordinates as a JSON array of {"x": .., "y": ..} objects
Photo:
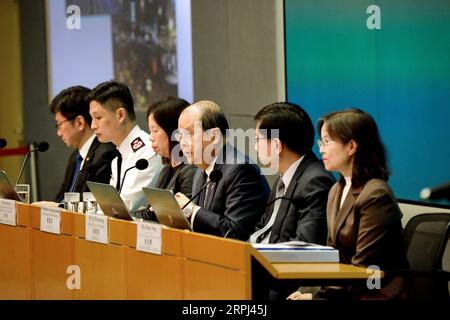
[
  {"x": 297, "y": 205},
  {"x": 91, "y": 160}
]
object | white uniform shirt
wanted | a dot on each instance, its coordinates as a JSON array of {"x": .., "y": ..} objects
[{"x": 134, "y": 147}]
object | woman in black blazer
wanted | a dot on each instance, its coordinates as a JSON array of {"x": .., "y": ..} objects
[{"x": 162, "y": 119}]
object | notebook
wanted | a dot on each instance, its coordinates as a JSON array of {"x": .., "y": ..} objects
[
  {"x": 109, "y": 200},
  {"x": 7, "y": 190},
  {"x": 166, "y": 208}
]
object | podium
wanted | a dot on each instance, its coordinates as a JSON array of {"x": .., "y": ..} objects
[{"x": 39, "y": 265}]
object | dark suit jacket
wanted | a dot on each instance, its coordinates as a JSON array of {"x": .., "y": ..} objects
[
  {"x": 177, "y": 179},
  {"x": 100, "y": 172},
  {"x": 236, "y": 202},
  {"x": 304, "y": 217},
  {"x": 367, "y": 230}
]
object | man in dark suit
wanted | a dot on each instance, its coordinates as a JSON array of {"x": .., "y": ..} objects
[
  {"x": 91, "y": 160},
  {"x": 297, "y": 206},
  {"x": 232, "y": 205}
]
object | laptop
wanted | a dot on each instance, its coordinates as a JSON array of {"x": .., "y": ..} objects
[
  {"x": 7, "y": 190},
  {"x": 166, "y": 208},
  {"x": 109, "y": 200}
]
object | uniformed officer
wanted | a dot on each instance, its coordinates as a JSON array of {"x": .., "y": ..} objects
[{"x": 113, "y": 119}]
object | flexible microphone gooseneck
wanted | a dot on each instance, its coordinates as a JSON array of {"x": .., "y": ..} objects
[
  {"x": 141, "y": 164},
  {"x": 41, "y": 147},
  {"x": 214, "y": 176},
  {"x": 88, "y": 168}
]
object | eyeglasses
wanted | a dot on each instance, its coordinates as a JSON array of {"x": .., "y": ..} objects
[
  {"x": 323, "y": 143},
  {"x": 58, "y": 125}
]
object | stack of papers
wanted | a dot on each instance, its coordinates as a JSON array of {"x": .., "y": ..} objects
[{"x": 297, "y": 251}]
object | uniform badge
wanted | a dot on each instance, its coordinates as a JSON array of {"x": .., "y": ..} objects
[{"x": 137, "y": 144}]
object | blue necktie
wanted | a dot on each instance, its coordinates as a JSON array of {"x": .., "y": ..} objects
[{"x": 76, "y": 170}]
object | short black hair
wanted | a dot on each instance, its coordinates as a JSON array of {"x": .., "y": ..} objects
[
  {"x": 370, "y": 156},
  {"x": 296, "y": 129},
  {"x": 71, "y": 103},
  {"x": 166, "y": 112},
  {"x": 114, "y": 95}
]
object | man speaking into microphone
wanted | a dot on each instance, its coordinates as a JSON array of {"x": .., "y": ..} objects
[{"x": 229, "y": 192}]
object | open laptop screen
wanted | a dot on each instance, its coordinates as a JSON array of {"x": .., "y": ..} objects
[{"x": 7, "y": 190}]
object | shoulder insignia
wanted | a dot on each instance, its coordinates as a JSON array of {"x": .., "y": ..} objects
[{"x": 137, "y": 144}]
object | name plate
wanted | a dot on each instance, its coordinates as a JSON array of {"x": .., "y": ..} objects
[
  {"x": 51, "y": 220},
  {"x": 97, "y": 228},
  {"x": 149, "y": 237},
  {"x": 8, "y": 212}
]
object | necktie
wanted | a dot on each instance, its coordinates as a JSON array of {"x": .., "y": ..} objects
[
  {"x": 76, "y": 170},
  {"x": 119, "y": 168},
  {"x": 202, "y": 195},
  {"x": 261, "y": 234}
]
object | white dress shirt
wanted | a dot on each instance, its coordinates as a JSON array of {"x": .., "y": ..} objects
[
  {"x": 85, "y": 149},
  {"x": 286, "y": 177}
]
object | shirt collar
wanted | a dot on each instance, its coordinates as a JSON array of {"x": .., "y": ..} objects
[
  {"x": 86, "y": 146},
  {"x": 211, "y": 166},
  {"x": 289, "y": 174},
  {"x": 126, "y": 143}
]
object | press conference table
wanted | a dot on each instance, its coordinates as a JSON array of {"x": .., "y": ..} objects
[{"x": 39, "y": 265}]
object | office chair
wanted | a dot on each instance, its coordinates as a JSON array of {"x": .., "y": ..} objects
[{"x": 425, "y": 238}]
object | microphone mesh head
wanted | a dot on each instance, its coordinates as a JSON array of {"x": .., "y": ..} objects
[
  {"x": 215, "y": 175},
  {"x": 425, "y": 193},
  {"x": 43, "y": 146},
  {"x": 141, "y": 164}
]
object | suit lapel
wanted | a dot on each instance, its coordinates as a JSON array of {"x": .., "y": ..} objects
[
  {"x": 211, "y": 189},
  {"x": 347, "y": 208},
  {"x": 69, "y": 171},
  {"x": 87, "y": 161}
]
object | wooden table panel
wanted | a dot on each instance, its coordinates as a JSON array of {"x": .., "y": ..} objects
[
  {"x": 102, "y": 268},
  {"x": 52, "y": 255},
  {"x": 152, "y": 276},
  {"x": 212, "y": 282},
  {"x": 15, "y": 262}
]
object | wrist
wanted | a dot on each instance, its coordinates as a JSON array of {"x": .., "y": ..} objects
[{"x": 189, "y": 210}]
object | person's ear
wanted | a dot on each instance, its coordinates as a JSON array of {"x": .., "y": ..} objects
[
  {"x": 216, "y": 136},
  {"x": 121, "y": 114},
  {"x": 278, "y": 145},
  {"x": 80, "y": 123},
  {"x": 352, "y": 146}
]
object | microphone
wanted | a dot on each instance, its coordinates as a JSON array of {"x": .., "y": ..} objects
[
  {"x": 41, "y": 147},
  {"x": 435, "y": 193},
  {"x": 141, "y": 164},
  {"x": 3, "y": 143},
  {"x": 214, "y": 176},
  {"x": 237, "y": 226}
]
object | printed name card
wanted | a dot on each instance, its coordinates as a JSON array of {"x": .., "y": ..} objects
[
  {"x": 97, "y": 228},
  {"x": 8, "y": 212},
  {"x": 51, "y": 220},
  {"x": 149, "y": 237}
]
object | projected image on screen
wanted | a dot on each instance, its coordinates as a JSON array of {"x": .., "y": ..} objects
[{"x": 143, "y": 42}]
